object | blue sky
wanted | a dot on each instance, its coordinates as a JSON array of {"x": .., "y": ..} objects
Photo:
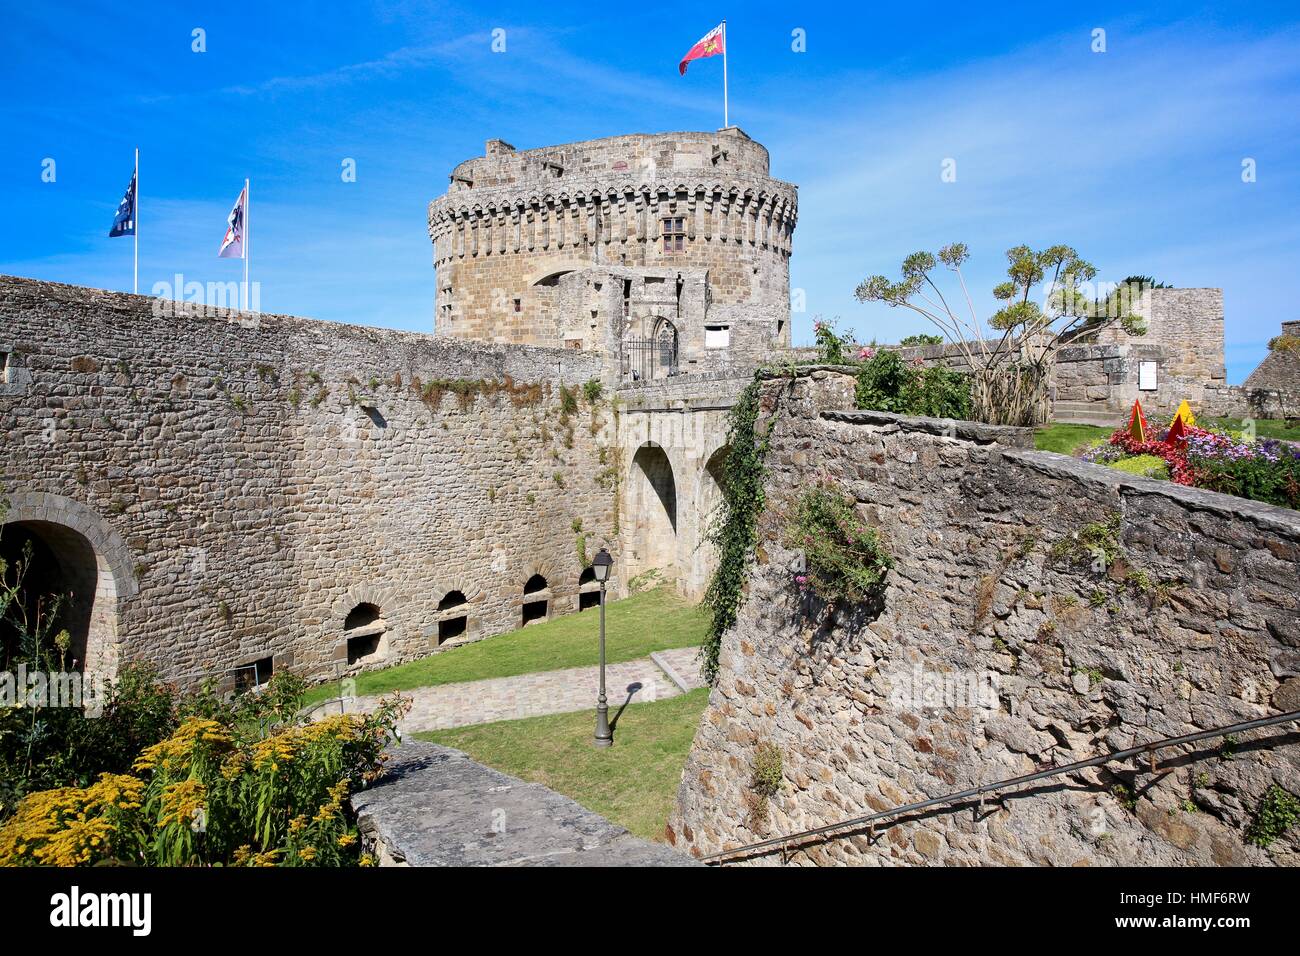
[{"x": 1134, "y": 156}]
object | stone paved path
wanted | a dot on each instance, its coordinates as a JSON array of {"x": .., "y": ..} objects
[
  {"x": 435, "y": 806},
  {"x": 548, "y": 692}
]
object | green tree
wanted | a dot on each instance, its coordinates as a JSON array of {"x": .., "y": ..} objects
[{"x": 1012, "y": 354}]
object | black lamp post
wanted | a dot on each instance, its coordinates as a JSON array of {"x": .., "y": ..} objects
[{"x": 600, "y": 566}]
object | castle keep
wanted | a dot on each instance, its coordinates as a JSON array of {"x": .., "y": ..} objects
[{"x": 671, "y": 251}]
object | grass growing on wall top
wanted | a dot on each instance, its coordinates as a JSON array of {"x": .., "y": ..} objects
[
  {"x": 635, "y": 626},
  {"x": 632, "y": 783}
]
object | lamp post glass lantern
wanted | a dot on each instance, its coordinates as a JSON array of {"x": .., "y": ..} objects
[{"x": 600, "y": 566}]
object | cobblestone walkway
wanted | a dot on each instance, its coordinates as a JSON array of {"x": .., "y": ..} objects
[{"x": 548, "y": 692}]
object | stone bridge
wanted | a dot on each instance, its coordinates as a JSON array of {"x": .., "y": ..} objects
[{"x": 672, "y": 440}]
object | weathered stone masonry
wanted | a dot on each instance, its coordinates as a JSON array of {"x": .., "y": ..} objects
[
  {"x": 1196, "y": 624},
  {"x": 242, "y": 485}
]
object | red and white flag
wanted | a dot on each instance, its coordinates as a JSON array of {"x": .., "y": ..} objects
[
  {"x": 232, "y": 244},
  {"x": 711, "y": 44}
]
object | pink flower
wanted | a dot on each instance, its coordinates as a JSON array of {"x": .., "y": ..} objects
[
  {"x": 918, "y": 361},
  {"x": 866, "y": 352}
]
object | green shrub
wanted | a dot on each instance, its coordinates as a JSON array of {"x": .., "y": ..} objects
[
  {"x": 1146, "y": 466},
  {"x": 889, "y": 384},
  {"x": 1278, "y": 811},
  {"x": 43, "y": 747},
  {"x": 830, "y": 343},
  {"x": 592, "y": 391},
  {"x": 922, "y": 338},
  {"x": 213, "y": 795},
  {"x": 767, "y": 769},
  {"x": 845, "y": 558},
  {"x": 1274, "y": 482},
  {"x": 764, "y": 781},
  {"x": 885, "y": 383}
]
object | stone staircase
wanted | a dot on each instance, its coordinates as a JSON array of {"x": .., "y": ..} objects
[{"x": 1085, "y": 413}]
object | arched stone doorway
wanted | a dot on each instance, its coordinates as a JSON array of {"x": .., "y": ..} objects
[
  {"x": 657, "y": 355},
  {"x": 666, "y": 349},
  {"x": 652, "y": 513},
  {"x": 65, "y": 585}
]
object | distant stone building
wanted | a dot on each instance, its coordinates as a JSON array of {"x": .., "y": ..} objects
[
  {"x": 1279, "y": 374},
  {"x": 1181, "y": 357}
]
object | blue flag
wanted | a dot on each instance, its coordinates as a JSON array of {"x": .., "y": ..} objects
[{"x": 124, "y": 221}]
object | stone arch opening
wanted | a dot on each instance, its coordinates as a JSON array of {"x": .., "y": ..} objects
[
  {"x": 65, "y": 585},
  {"x": 652, "y": 506},
  {"x": 713, "y": 482},
  {"x": 588, "y": 590},
  {"x": 708, "y": 508},
  {"x": 364, "y": 629},
  {"x": 537, "y": 599},
  {"x": 453, "y": 616}
]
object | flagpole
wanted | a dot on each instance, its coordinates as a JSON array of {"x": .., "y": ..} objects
[
  {"x": 135, "y": 281},
  {"x": 726, "y": 119},
  {"x": 248, "y": 236}
]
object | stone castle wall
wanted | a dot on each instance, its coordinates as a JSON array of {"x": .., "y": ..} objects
[
  {"x": 1002, "y": 648},
  {"x": 243, "y": 482},
  {"x": 513, "y": 223}
]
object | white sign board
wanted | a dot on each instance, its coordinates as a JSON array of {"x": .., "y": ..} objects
[
  {"x": 1147, "y": 376},
  {"x": 717, "y": 336}
]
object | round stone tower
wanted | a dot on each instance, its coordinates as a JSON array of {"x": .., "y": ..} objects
[{"x": 585, "y": 244}]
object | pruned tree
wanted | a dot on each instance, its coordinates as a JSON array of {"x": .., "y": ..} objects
[{"x": 1011, "y": 356}]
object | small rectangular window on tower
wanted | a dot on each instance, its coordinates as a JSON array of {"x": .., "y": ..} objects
[
  {"x": 717, "y": 336},
  {"x": 519, "y": 305},
  {"x": 674, "y": 233}
]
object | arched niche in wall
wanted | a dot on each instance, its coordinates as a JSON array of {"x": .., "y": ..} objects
[{"x": 537, "y": 600}]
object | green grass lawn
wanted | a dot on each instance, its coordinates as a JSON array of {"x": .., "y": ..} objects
[
  {"x": 1066, "y": 438},
  {"x": 632, "y": 783},
  {"x": 635, "y": 626},
  {"x": 1264, "y": 427}
]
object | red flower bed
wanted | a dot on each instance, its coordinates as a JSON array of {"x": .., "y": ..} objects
[{"x": 1173, "y": 453}]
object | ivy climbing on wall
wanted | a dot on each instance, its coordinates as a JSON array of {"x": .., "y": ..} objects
[{"x": 735, "y": 529}]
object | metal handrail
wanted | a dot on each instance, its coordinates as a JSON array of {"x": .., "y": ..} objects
[{"x": 871, "y": 819}]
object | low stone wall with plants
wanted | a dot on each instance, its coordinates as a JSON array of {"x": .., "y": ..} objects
[{"x": 967, "y": 611}]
